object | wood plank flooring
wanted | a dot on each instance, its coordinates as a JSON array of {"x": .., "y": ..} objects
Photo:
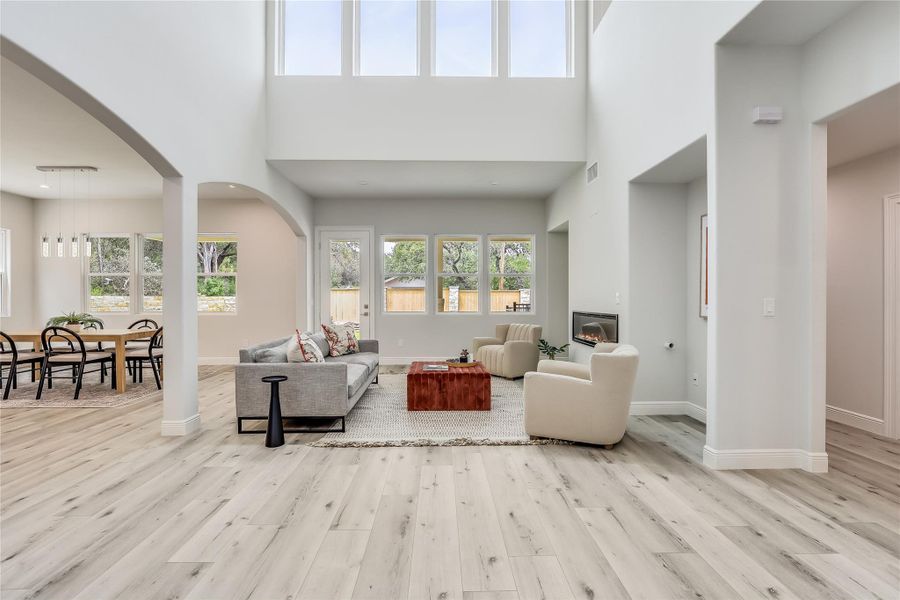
[{"x": 95, "y": 505}]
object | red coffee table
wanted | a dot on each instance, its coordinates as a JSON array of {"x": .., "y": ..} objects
[{"x": 459, "y": 388}]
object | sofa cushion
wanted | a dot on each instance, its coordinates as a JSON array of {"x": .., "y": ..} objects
[
  {"x": 271, "y": 354},
  {"x": 319, "y": 338},
  {"x": 367, "y": 359},
  {"x": 356, "y": 377}
]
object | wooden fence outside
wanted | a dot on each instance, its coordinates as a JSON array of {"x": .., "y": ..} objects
[{"x": 345, "y": 302}]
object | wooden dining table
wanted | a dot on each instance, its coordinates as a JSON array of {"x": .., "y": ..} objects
[{"x": 117, "y": 336}]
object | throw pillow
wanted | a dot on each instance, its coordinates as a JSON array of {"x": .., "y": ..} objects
[
  {"x": 274, "y": 354},
  {"x": 341, "y": 339},
  {"x": 301, "y": 348}
]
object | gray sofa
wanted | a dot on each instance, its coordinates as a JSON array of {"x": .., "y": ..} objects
[{"x": 329, "y": 389}]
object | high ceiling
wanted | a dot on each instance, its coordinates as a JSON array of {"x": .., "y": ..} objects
[
  {"x": 871, "y": 126},
  {"x": 789, "y": 22},
  {"x": 41, "y": 127},
  {"x": 417, "y": 179}
]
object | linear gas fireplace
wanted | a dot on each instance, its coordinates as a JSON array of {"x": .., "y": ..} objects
[{"x": 590, "y": 328}]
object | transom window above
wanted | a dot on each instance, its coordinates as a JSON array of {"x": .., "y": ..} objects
[
  {"x": 464, "y": 38},
  {"x": 311, "y": 33},
  {"x": 388, "y": 37},
  {"x": 538, "y": 38}
]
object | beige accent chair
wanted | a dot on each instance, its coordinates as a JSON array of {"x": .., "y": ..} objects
[
  {"x": 582, "y": 403},
  {"x": 511, "y": 352}
]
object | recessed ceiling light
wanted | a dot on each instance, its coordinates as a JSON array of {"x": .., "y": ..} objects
[
  {"x": 363, "y": 182},
  {"x": 44, "y": 186},
  {"x": 231, "y": 185},
  {"x": 494, "y": 183}
]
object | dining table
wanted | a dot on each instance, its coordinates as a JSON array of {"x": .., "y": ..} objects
[{"x": 116, "y": 336}]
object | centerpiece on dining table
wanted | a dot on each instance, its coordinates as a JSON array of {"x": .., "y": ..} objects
[{"x": 74, "y": 321}]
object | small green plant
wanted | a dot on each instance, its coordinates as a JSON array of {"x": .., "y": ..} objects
[
  {"x": 74, "y": 318},
  {"x": 551, "y": 351}
]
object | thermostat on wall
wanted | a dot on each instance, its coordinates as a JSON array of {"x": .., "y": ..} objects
[{"x": 766, "y": 115}]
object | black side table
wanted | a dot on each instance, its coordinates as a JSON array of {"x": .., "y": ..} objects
[{"x": 274, "y": 427}]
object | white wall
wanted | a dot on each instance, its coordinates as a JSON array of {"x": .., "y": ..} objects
[
  {"x": 657, "y": 283},
  {"x": 650, "y": 93},
  {"x": 556, "y": 328},
  {"x": 17, "y": 215},
  {"x": 430, "y": 335},
  {"x": 425, "y": 117},
  {"x": 695, "y": 325},
  {"x": 855, "y": 332},
  {"x": 268, "y": 269}
]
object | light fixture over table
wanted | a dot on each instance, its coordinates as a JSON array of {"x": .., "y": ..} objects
[{"x": 75, "y": 241}]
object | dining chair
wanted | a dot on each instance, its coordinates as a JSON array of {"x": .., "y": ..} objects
[
  {"x": 63, "y": 348},
  {"x": 139, "y": 324},
  {"x": 95, "y": 346},
  {"x": 11, "y": 359},
  {"x": 152, "y": 353}
]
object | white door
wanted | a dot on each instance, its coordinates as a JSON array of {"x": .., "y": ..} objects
[{"x": 345, "y": 279}]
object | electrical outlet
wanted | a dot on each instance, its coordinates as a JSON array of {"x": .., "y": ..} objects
[
  {"x": 695, "y": 379},
  {"x": 618, "y": 298}
]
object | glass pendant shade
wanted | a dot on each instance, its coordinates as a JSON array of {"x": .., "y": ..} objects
[
  {"x": 74, "y": 246},
  {"x": 87, "y": 245},
  {"x": 45, "y": 247},
  {"x": 60, "y": 247}
]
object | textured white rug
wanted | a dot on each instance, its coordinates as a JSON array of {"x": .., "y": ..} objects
[{"x": 380, "y": 418}]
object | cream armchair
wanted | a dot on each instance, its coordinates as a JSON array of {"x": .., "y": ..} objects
[
  {"x": 512, "y": 352},
  {"x": 582, "y": 403}
]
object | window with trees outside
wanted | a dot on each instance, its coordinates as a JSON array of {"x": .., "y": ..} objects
[
  {"x": 511, "y": 268},
  {"x": 151, "y": 292},
  {"x": 458, "y": 265},
  {"x": 405, "y": 269},
  {"x": 109, "y": 274},
  {"x": 217, "y": 257}
]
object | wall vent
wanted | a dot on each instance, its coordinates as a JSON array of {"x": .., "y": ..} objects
[{"x": 592, "y": 172}]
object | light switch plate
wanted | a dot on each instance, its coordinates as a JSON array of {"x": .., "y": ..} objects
[{"x": 768, "y": 307}]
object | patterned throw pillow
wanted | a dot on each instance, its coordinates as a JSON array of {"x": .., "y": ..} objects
[
  {"x": 302, "y": 348},
  {"x": 341, "y": 339}
]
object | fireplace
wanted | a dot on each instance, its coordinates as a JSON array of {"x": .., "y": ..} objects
[{"x": 590, "y": 328}]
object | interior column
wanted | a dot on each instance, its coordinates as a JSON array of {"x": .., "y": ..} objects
[{"x": 180, "y": 408}]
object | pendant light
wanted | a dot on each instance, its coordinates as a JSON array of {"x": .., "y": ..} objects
[
  {"x": 73, "y": 246},
  {"x": 87, "y": 236},
  {"x": 60, "y": 247}
]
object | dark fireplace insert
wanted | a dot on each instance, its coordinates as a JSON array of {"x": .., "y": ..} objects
[{"x": 589, "y": 328}]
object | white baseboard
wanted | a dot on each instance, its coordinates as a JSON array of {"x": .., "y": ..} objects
[
  {"x": 765, "y": 458},
  {"x": 217, "y": 360},
  {"x": 183, "y": 427},
  {"x": 675, "y": 407},
  {"x": 854, "y": 419}
]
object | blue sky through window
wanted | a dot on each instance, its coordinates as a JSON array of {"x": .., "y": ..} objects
[
  {"x": 312, "y": 37},
  {"x": 388, "y": 37},
  {"x": 463, "y": 42},
  {"x": 537, "y": 38}
]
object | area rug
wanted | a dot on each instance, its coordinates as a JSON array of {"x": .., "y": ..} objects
[
  {"x": 93, "y": 394},
  {"x": 380, "y": 418}
]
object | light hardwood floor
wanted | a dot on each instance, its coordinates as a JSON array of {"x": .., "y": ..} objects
[{"x": 96, "y": 505}]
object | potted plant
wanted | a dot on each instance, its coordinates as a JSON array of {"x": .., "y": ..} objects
[
  {"x": 551, "y": 351},
  {"x": 74, "y": 320}
]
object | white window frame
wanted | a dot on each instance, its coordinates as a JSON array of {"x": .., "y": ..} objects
[
  {"x": 87, "y": 273},
  {"x": 531, "y": 274},
  {"x": 5, "y": 268},
  {"x": 237, "y": 281},
  {"x": 425, "y": 276},
  {"x": 357, "y": 45},
  {"x": 495, "y": 45},
  {"x": 479, "y": 239},
  {"x": 570, "y": 44},
  {"x": 280, "y": 37}
]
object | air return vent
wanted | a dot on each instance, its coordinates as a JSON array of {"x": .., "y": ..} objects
[{"x": 592, "y": 172}]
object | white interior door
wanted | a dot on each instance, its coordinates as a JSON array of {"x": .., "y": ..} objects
[{"x": 345, "y": 279}]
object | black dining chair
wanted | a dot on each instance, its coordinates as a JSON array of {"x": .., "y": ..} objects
[
  {"x": 95, "y": 346},
  {"x": 152, "y": 354},
  {"x": 139, "y": 324},
  {"x": 64, "y": 349},
  {"x": 11, "y": 358}
]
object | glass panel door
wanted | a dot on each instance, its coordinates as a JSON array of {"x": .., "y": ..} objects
[{"x": 344, "y": 280}]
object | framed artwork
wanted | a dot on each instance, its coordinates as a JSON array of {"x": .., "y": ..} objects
[{"x": 704, "y": 266}]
